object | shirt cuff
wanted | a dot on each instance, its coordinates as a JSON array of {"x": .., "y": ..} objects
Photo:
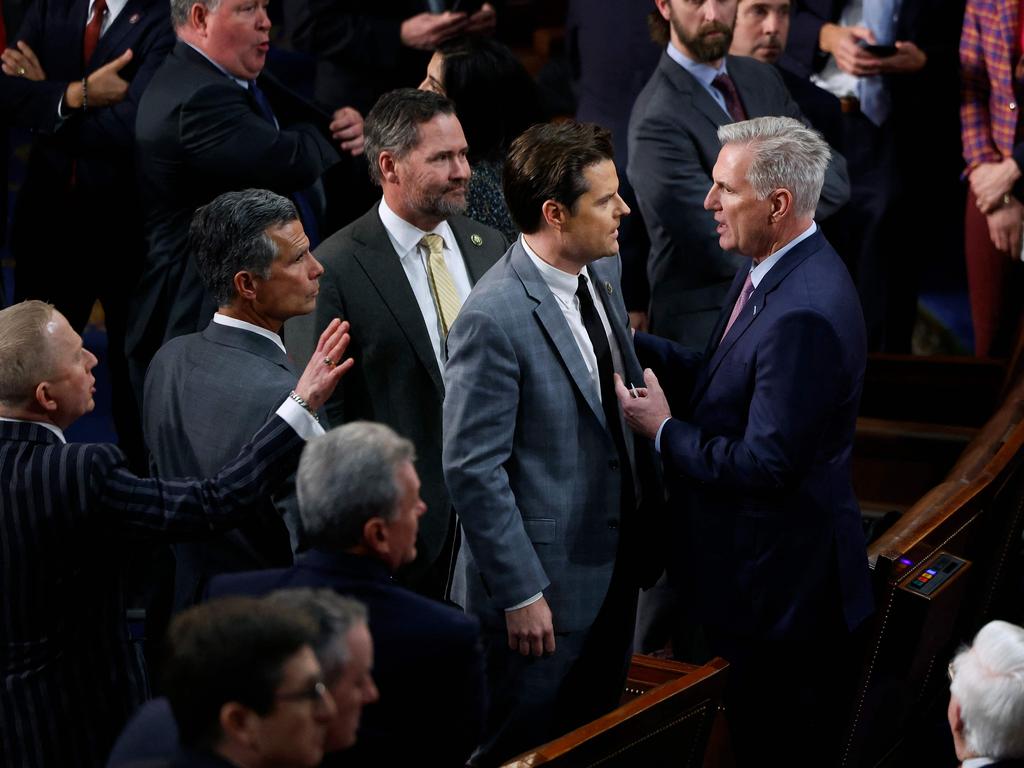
[
  {"x": 528, "y": 601},
  {"x": 657, "y": 437},
  {"x": 299, "y": 419}
]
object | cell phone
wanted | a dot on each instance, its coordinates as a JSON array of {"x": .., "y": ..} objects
[
  {"x": 468, "y": 7},
  {"x": 879, "y": 51}
]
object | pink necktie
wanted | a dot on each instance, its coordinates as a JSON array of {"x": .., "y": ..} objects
[{"x": 741, "y": 302}]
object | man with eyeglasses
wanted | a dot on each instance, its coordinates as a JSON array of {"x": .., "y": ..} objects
[{"x": 245, "y": 686}]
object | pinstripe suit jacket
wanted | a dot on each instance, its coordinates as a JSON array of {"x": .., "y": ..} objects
[{"x": 71, "y": 677}]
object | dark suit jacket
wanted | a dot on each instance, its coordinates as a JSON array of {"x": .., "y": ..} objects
[
  {"x": 200, "y": 134},
  {"x": 71, "y": 677},
  {"x": 88, "y": 160},
  {"x": 760, "y": 455},
  {"x": 427, "y": 661},
  {"x": 396, "y": 380},
  {"x": 206, "y": 394},
  {"x": 673, "y": 145}
]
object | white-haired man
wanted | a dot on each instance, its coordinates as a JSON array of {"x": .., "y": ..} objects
[{"x": 986, "y": 698}]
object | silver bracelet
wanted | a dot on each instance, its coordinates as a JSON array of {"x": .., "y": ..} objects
[{"x": 298, "y": 399}]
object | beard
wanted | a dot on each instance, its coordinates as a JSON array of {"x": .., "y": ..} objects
[
  {"x": 703, "y": 49},
  {"x": 443, "y": 204}
]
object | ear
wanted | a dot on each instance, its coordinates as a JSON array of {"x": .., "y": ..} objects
[
  {"x": 387, "y": 163},
  {"x": 554, "y": 214},
  {"x": 781, "y": 204},
  {"x": 663, "y": 8},
  {"x": 44, "y": 398},
  {"x": 197, "y": 15},
  {"x": 375, "y": 536},
  {"x": 245, "y": 285},
  {"x": 236, "y": 724}
]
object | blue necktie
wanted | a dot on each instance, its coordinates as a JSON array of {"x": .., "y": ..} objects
[
  {"x": 301, "y": 198},
  {"x": 880, "y": 18}
]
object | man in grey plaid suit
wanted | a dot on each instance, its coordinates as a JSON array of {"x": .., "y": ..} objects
[{"x": 553, "y": 493}]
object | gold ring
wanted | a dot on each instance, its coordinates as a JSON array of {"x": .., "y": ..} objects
[
  {"x": 328, "y": 362},
  {"x": 21, "y": 71},
  {"x": 1006, "y": 199}
]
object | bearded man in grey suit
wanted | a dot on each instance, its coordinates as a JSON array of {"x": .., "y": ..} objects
[
  {"x": 381, "y": 275},
  {"x": 206, "y": 393},
  {"x": 554, "y": 496},
  {"x": 673, "y": 145}
]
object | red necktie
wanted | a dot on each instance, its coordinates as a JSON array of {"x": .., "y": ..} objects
[
  {"x": 727, "y": 87},
  {"x": 92, "y": 31}
]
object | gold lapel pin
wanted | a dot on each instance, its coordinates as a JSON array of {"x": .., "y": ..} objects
[
  {"x": 134, "y": 18},
  {"x": 608, "y": 287},
  {"x": 475, "y": 239}
]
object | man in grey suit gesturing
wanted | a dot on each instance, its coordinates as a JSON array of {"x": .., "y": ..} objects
[
  {"x": 207, "y": 392},
  {"x": 552, "y": 492}
]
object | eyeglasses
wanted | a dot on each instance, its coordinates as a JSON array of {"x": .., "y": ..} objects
[{"x": 316, "y": 693}]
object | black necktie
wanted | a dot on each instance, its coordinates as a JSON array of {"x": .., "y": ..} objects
[
  {"x": 609, "y": 401},
  {"x": 300, "y": 197}
]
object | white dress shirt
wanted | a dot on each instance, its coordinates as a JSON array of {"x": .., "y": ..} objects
[
  {"x": 114, "y": 7},
  {"x": 841, "y": 84},
  {"x": 405, "y": 239}
]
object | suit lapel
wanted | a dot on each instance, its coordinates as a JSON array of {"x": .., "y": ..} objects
[
  {"x": 382, "y": 266},
  {"x": 550, "y": 316},
  {"x": 606, "y": 289},
  {"x": 126, "y": 21},
  {"x": 759, "y": 301},
  {"x": 757, "y": 100},
  {"x": 473, "y": 252},
  {"x": 688, "y": 85},
  {"x": 250, "y": 342}
]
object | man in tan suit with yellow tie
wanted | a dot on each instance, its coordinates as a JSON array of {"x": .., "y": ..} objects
[{"x": 399, "y": 274}]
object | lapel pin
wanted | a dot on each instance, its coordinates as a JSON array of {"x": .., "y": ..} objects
[
  {"x": 134, "y": 18},
  {"x": 476, "y": 240},
  {"x": 755, "y": 309},
  {"x": 608, "y": 287}
]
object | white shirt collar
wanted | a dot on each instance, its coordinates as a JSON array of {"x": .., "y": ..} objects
[
  {"x": 976, "y": 762},
  {"x": 758, "y": 272},
  {"x": 232, "y": 322},
  {"x": 240, "y": 81},
  {"x": 52, "y": 427},
  {"x": 406, "y": 237},
  {"x": 561, "y": 284},
  {"x": 705, "y": 73},
  {"x": 114, "y": 7}
]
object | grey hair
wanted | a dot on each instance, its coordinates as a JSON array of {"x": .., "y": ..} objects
[
  {"x": 180, "y": 9},
  {"x": 786, "y": 154},
  {"x": 229, "y": 235},
  {"x": 392, "y": 125},
  {"x": 988, "y": 681},
  {"x": 346, "y": 477},
  {"x": 26, "y": 354},
  {"x": 334, "y": 616}
]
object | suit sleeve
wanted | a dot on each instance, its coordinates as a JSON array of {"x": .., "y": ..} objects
[
  {"x": 975, "y": 90},
  {"x": 673, "y": 364},
  {"x": 806, "y": 20},
  {"x": 480, "y": 412},
  {"x": 198, "y": 508},
  {"x": 796, "y": 385},
  {"x": 224, "y": 137}
]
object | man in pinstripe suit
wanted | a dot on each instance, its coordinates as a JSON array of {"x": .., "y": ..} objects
[{"x": 70, "y": 676}]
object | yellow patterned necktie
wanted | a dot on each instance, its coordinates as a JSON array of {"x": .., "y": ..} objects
[{"x": 441, "y": 285}]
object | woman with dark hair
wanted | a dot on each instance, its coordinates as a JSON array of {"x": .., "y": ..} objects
[{"x": 496, "y": 100}]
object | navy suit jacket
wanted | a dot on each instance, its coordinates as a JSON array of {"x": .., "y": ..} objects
[
  {"x": 427, "y": 660},
  {"x": 71, "y": 677},
  {"x": 760, "y": 455}
]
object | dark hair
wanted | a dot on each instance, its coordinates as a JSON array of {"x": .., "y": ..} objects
[
  {"x": 229, "y": 235},
  {"x": 495, "y": 97},
  {"x": 392, "y": 125},
  {"x": 658, "y": 26},
  {"x": 226, "y": 650},
  {"x": 547, "y": 163}
]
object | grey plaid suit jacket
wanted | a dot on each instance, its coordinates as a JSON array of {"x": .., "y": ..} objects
[{"x": 532, "y": 470}]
